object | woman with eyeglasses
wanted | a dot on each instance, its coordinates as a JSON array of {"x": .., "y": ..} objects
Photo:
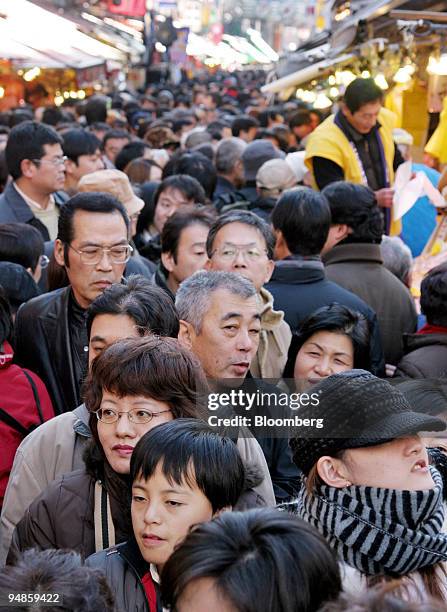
[{"x": 133, "y": 386}]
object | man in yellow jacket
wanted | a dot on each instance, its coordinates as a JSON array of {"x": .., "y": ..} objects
[{"x": 356, "y": 144}]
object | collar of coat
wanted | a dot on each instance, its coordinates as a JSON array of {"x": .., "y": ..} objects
[{"x": 353, "y": 252}]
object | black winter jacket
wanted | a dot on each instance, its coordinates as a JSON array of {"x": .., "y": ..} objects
[
  {"x": 43, "y": 345},
  {"x": 299, "y": 287},
  {"x": 425, "y": 356}
]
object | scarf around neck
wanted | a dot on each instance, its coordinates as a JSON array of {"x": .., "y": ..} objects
[{"x": 379, "y": 531}]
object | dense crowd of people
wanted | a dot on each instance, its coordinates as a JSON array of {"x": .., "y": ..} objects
[{"x": 158, "y": 249}]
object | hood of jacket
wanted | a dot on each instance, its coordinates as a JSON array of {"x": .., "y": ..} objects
[{"x": 269, "y": 318}]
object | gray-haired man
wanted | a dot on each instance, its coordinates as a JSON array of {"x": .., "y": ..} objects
[{"x": 220, "y": 322}]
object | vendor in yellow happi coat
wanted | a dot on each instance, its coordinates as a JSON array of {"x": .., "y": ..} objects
[{"x": 356, "y": 144}]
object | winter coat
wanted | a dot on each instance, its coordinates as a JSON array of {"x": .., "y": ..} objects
[
  {"x": 46, "y": 454},
  {"x": 124, "y": 568},
  {"x": 24, "y": 405},
  {"x": 425, "y": 356},
  {"x": 299, "y": 287},
  {"x": 43, "y": 344},
  {"x": 359, "y": 268},
  {"x": 274, "y": 341},
  {"x": 57, "y": 447}
]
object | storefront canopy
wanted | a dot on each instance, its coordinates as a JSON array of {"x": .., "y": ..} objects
[{"x": 52, "y": 36}]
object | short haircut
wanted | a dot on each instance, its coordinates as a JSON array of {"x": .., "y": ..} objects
[
  {"x": 115, "y": 133},
  {"x": 96, "y": 109},
  {"x": 188, "y": 185},
  {"x": 26, "y": 141},
  {"x": 397, "y": 257},
  {"x": 180, "y": 220},
  {"x": 6, "y": 324},
  {"x": 151, "y": 366},
  {"x": 198, "y": 166},
  {"x": 337, "y": 319},
  {"x": 130, "y": 151},
  {"x": 191, "y": 452},
  {"x": 266, "y": 115},
  {"x": 147, "y": 305},
  {"x": 229, "y": 152},
  {"x": 361, "y": 92},
  {"x": 21, "y": 243},
  {"x": 93, "y": 202},
  {"x": 52, "y": 115},
  {"x": 79, "y": 142},
  {"x": 146, "y": 192},
  {"x": 260, "y": 559},
  {"x": 434, "y": 296},
  {"x": 243, "y": 123},
  {"x": 301, "y": 117},
  {"x": 356, "y": 206},
  {"x": 247, "y": 218},
  {"x": 81, "y": 588},
  {"x": 304, "y": 218},
  {"x": 192, "y": 299}
]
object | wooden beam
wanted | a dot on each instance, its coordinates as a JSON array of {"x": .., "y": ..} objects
[{"x": 416, "y": 15}]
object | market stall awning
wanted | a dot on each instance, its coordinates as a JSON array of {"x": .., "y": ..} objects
[
  {"x": 54, "y": 36},
  {"x": 22, "y": 55},
  {"x": 306, "y": 74}
]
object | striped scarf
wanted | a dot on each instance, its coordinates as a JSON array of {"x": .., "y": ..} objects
[{"x": 379, "y": 531}]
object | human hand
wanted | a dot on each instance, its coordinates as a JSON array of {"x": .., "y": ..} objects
[{"x": 385, "y": 197}]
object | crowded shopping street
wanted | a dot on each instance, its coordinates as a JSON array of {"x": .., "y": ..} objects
[{"x": 223, "y": 305}]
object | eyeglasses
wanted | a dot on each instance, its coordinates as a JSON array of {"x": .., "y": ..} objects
[
  {"x": 57, "y": 161},
  {"x": 93, "y": 255},
  {"x": 139, "y": 416},
  {"x": 44, "y": 261},
  {"x": 230, "y": 251}
]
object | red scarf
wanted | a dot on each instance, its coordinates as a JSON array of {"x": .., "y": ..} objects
[
  {"x": 151, "y": 593},
  {"x": 432, "y": 329}
]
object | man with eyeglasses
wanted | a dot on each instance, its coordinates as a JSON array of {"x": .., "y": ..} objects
[
  {"x": 36, "y": 163},
  {"x": 51, "y": 337},
  {"x": 241, "y": 242}
]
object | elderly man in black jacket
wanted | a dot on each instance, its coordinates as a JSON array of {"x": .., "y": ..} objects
[
  {"x": 301, "y": 222},
  {"x": 51, "y": 335}
]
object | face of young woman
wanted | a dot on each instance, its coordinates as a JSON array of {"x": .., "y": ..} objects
[
  {"x": 323, "y": 354},
  {"x": 400, "y": 464}
]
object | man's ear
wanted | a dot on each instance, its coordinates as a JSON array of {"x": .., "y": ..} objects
[
  {"x": 333, "y": 472},
  {"x": 70, "y": 166},
  {"x": 186, "y": 334},
  {"x": 27, "y": 168},
  {"x": 269, "y": 270},
  {"x": 168, "y": 261},
  {"x": 59, "y": 252},
  {"x": 342, "y": 231}
]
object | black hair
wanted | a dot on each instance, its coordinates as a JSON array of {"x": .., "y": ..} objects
[
  {"x": 21, "y": 243},
  {"x": 188, "y": 185},
  {"x": 147, "y": 305},
  {"x": 355, "y": 206},
  {"x": 260, "y": 559},
  {"x": 80, "y": 588},
  {"x": 434, "y": 296},
  {"x": 301, "y": 117},
  {"x": 361, "y": 92},
  {"x": 180, "y": 220},
  {"x": 247, "y": 218},
  {"x": 79, "y": 142},
  {"x": 304, "y": 218},
  {"x": 93, "y": 202},
  {"x": 146, "y": 191},
  {"x": 26, "y": 141},
  {"x": 243, "y": 123},
  {"x": 266, "y": 115},
  {"x": 130, "y": 151},
  {"x": 191, "y": 452},
  {"x": 115, "y": 133},
  {"x": 6, "y": 324},
  {"x": 337, "y": 319},
  {"x": 198, "y": 166},
  {"x": 178, "y": 124},
  {"x": 52, "y": 115},
  {"x": 96, "y": 110},
  {"x": 20, "y": 115}
]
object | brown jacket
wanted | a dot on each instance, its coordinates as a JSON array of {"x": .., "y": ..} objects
[
  {"x": 359, "y": 268},
  {"x": 425, "y": 356},
  {"x": 274, "y": 341}
]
